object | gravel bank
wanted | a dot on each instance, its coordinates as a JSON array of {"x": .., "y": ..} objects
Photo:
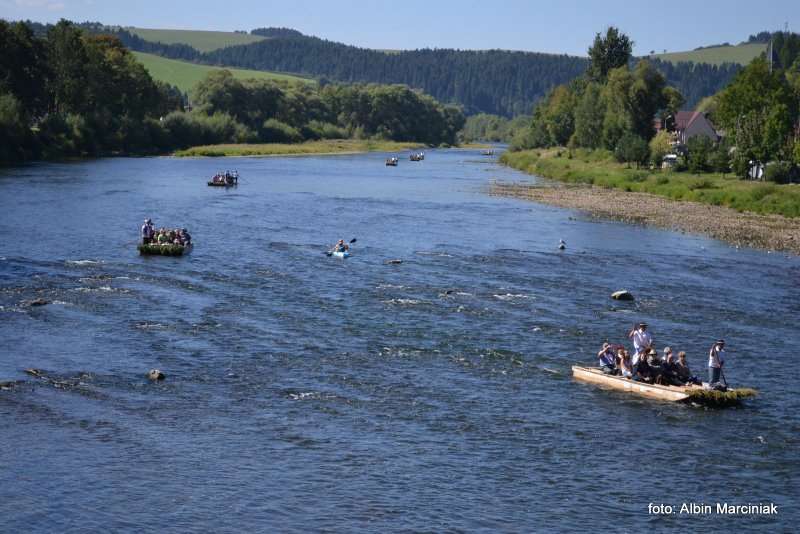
[{"x": 768, "y": 232}]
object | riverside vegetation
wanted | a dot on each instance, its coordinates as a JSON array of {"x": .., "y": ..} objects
[
  {"x": 598, "y": 184},
  {"x": 327, "y": 146},
  {"x": 598, "y": 131},
  {"x": 601, "y": 168},
  {"x": 71, "y": 93}
]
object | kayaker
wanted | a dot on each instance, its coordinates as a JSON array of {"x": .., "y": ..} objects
[
  {"x": 341, "y": 246},
  {"x": 607, "y": 360},
  {"x": 642, "y": 341},
  {"x": 716, "y": 359}
]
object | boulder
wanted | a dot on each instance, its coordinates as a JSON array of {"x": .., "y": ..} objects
[
  {"x": 621, "y": 295},
  {"x": 155, "y": 374}
]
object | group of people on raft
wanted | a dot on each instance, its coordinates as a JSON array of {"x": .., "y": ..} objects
[
  {"x": 164, "y": 236},
  {"x": 226, "y": 178},
  {"x": 647, "y": 366}
]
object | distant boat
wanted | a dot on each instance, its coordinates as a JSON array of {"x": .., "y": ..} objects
[
  {"x": 224, "y": 179},
  {"x": 419, "y": 156},
  {"x": 392, "y": 162},
  {"x": 489, "y": 152}
]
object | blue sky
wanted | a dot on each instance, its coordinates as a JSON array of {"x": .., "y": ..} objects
[{"x": 561, "y": 26}]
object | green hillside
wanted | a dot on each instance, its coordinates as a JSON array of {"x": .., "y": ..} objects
[
  {"x": 741, "y": 54},
  {"x": 204, "y": 41},
  {"x": 185, "y": 75}
]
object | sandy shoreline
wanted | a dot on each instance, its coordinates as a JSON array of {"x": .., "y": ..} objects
[{"x": 767, "y": 232}]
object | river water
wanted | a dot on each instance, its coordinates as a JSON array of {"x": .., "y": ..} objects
[{"x": 313, "y": 393}]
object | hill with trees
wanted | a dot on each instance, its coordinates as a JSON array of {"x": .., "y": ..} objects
[
  {"x": 68, "y": 92},
  {"x": 499, "y": 82}
]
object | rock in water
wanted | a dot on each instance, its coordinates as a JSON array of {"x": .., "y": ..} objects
[
  {"x": 37, "y": 302},
  {"x": 621, "y": 295},
  {"x": 155, "y": 374},
  {"x": 393, "y": 262}
]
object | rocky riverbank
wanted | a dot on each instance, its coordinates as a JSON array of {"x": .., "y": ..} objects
[{"x": 768, "y": 232}]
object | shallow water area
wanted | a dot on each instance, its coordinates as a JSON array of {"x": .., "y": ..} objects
[{"x": 309, "y": 392}]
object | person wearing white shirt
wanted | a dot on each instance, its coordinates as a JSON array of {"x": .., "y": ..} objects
[
  {"x": 716, "y": 359},
  {"x": 642, "y": 341}
]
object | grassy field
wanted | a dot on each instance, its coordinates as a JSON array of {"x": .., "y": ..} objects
[
  {"x": 204, "y": 41},
  {"x": 599, "y": 168},
  {"x": 185, "y": 75},
  {"x": 741, "y": 54},
  {"x": 330, "y": 146}
]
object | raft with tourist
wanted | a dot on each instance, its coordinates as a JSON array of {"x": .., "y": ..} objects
[
  {"x": 392, "y": 162},
  {"x": 164, "y": 241},
  {"x": 666, "y": 378},
  {"x": 224, "y": 179},
  {"x": 417, "y": 156}
]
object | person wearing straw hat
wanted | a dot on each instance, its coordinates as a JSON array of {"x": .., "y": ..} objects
[{"x": 716, "y": 359}]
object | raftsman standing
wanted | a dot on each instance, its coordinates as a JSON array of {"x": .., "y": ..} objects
[{"x": 716, "y": 359}]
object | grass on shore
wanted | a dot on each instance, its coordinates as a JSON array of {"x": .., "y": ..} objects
[
  {"x": 600, "y": 168},
  {"x": 328, "y": 146},
  {"x": 185, "y": 75}
]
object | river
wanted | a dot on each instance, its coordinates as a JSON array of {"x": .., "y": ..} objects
[{"x": 312, "y": 393}]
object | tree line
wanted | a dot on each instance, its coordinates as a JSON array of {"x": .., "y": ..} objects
[
  {"x": 492, "y": 128},
  {"x": 613, "y": 107},
  {"x": 68, "y": 92},
  {"x": 759, "y": 112},
  {"x": 286, "y": 112},
  {"x": 497, "y": 82}
]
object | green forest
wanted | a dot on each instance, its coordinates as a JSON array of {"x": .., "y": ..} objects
[
  {"x": 67, "y": 92},
  {"x": 612, "y": 107},
  {"x": 499, "y": 82}
]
